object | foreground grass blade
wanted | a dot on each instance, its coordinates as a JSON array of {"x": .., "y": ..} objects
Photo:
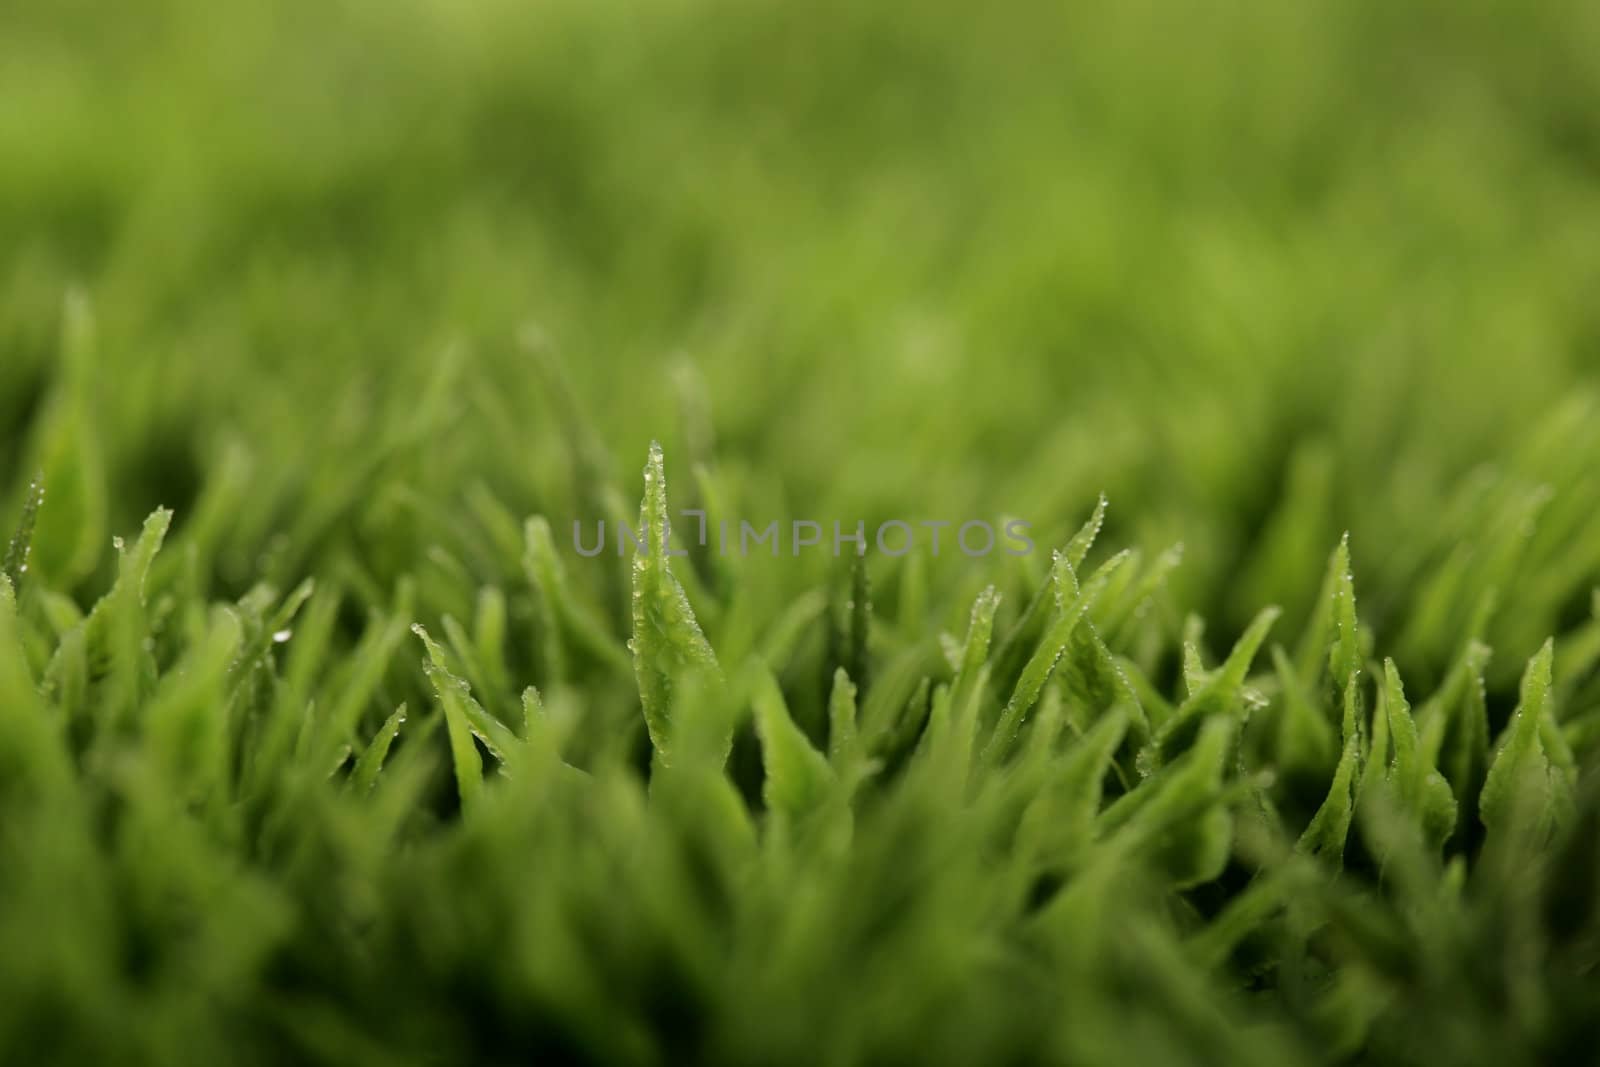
[
  {"x": 1526, "y": 791},
  {"x": 666, "y": 638},
  {"x": 1050, "y": 649},
  {"x": 15, "y": 564}
]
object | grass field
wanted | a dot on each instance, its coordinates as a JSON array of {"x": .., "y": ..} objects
[{"x": 322, "y": 739}]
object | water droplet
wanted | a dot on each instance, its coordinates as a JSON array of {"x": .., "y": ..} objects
[{"x": 282, "y": 636}]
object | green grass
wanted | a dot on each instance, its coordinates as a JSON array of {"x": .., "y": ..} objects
[{"x": 332, "y": 319}]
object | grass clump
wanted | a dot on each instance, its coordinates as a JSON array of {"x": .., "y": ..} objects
[
  {"x": 322, "y": 327},
  {"x": 209, "y": 863}
]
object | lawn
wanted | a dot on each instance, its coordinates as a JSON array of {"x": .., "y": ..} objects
[{"x": 1215, "y": 388}]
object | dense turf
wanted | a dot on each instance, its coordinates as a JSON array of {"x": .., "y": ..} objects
[{"x": 339, "y": 315}]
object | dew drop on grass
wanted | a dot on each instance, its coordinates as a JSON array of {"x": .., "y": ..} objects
[{"x": 282, "y": 637}]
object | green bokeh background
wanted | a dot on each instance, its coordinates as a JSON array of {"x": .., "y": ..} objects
[{"x": 929, "y": 261}]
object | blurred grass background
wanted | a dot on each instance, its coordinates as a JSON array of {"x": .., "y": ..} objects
[{"x": 1261, "y": 272}]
